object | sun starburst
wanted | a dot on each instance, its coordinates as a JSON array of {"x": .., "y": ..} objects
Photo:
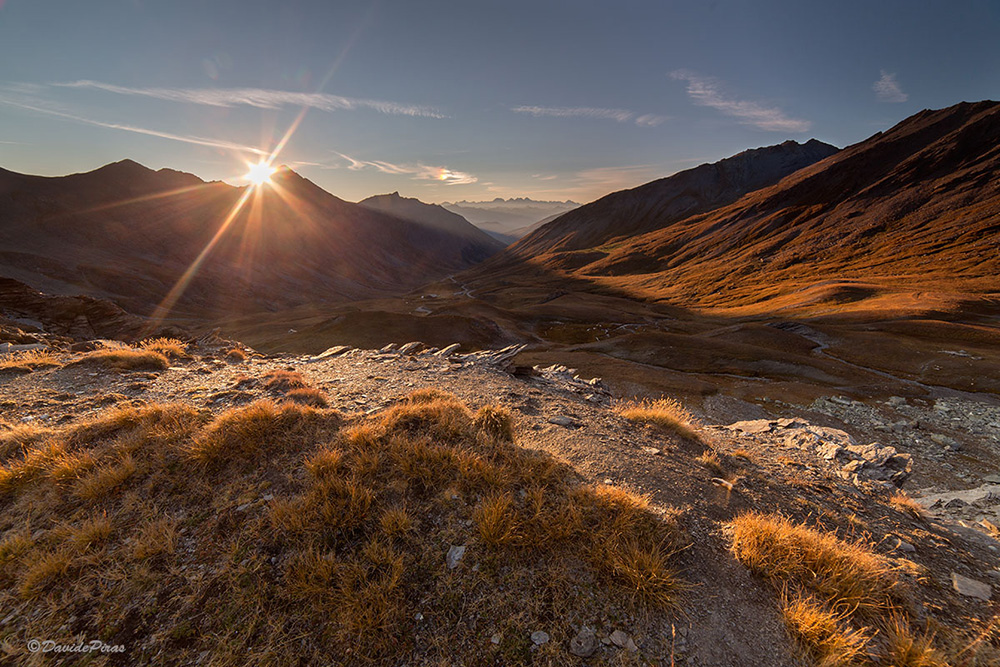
[{"x": 260, "y": 173}]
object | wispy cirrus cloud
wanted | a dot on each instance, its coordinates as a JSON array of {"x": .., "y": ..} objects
[
  {"x": 187, "y": 139},
  {"x": 618, "y": 115},
  {"x": 260, "y": 98},
  {"x": 420, "y": 172},
  {"x": 887, "y": 89},
  {"x": 707, "y": 92}
]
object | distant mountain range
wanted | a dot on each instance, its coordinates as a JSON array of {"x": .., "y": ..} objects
[
  {"x": 131, "y": 234},
  {"x": 509, "y": 219},
  {"x": 914, "y": 210}
]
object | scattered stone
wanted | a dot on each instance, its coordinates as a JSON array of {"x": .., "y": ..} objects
[
  {"x": 971, "y": 588},
  {"x": 828, "y": 450},
  {"x": 622, "y": 640},
  {"x": 854, "y": 466},
  {"x": 562, "y": 420},
  {"x": 334, "y": 351},
  {"x": 495, "y": 639},
  {"x": 448, "y": 351},
  {"x": 652, "y": 451},
  {"x": 896, "y": 401},
  {"x": 454, "y": 557},
  {"x": 411, "y": 347},
  {"x": 388, "y": 348},
  {"x": 539, "y": 637},
  {"x": 584, "y": 644},
  {"x": 945, "y": 441},
  {"x": 753, "y": 426},
  {"x": 418, "y": 616}
]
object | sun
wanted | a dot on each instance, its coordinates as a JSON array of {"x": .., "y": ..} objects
[{"x": 260, "y": 173}]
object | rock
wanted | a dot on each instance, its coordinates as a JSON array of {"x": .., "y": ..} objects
[
  {"x": 448, "y": 351},
  {"x": 584, "y": 644},
  {"x": 562, "y": 420},
  {"x": 652, "y": 451},
  {"x": 454, "y": 556},
  {"x": 622, "y": 640},
  {"x": 329, "y": 352},
  {"x": 896, "y": 401},
  {"x": 945, "y": 441},
  {"x": 391, "y": 347},
  {"x": 992, "y": 479},
  {"x": 753, "y": 426},
  {"x": 410, "y": 348},
  {"x": 828, "y": 450},
  {"x": 539, "y": 637},
  {"x": 971, "y": 588},
  {"x": 902, "y": 545},
  {"x": 840, "y": 400},
  {"x": 496, "y": 639},
  {"x": 854, "y": 466}
]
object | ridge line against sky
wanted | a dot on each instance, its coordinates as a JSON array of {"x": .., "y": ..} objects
[{"x": 546, "y": 99}]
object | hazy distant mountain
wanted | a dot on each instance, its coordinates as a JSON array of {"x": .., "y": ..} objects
[
  {"x": 480, "y": 244},
  {"x": 508, "y": 219},
  {"x": 909, "y": 216},
  {"x": 129, "y": 233},
  {"x": 657, "y": 204}
]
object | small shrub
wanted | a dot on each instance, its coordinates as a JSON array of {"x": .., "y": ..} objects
[
  {"x": 308, "y": 396},
  {"x": 284, "y": 381},
  {"x": 168, "y": 347},
  {"x": 127, "y": 359},
  {"x": 495, "y": 421},
  {"x": 666, "y": 413}
]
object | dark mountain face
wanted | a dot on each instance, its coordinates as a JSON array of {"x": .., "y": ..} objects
[
  {"x": 131, "y": 234},
  {"x": 480, "y": 245},
  {"x": 661, "y": 202},
  {"x": 911, "y": 214}
]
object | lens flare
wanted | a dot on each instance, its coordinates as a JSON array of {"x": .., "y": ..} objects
[{"x": 260, "y": 173}]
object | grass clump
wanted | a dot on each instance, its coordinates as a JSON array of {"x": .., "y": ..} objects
[
  {"x": 127, "y": 359},
  {"x": 907, "y": 505},
  {"x": 28, "y": 361},
  {"x": 297, "y": 535},
  {"x": 308, "y": 396},
  {"x": 168, "y": 347},
  {"x": 823, "y": 633},
  {"x": 284, "y": 381},
  {"x": 666, "y": 413}
]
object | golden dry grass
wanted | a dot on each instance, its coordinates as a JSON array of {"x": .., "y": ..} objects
[
  {"x": 236, "y": 355},
  {"x": 284, "y": 381},
  {"x": 824, "y": 634},
  {"x": 168, "y": 347},
  {"x": 127, "y": 359},
  {"x": 28, "y": 360},
  {"x": 308, "y": 396},
  {"x": 278, "y": 533},
  {"x": 907, "y": 505},
  {"x": 783, "y": 551},
  {"x": 666, "y": 413}
]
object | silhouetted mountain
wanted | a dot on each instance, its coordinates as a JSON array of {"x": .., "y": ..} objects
[
  {"x": 480, "y": 244},
  {"x": 130, "y": 234},
  {"x": 661, "y": 202}
]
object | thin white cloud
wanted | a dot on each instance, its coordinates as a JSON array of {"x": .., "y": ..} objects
[
  {"x": 706, "y": 91},
  {"x": 887, "y": 89},
  {"x": 619, "y": 115},
  {"x": 420, "y": 172},
  {"x": 259, "y": 98},
  {"x": 188, "y": 139}
]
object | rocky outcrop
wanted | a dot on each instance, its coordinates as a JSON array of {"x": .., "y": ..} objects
[
  {"x": 871, "y": 462},
  {"x": 70, "y": 318}
]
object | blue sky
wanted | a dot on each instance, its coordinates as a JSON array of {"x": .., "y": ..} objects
[{"x": 476, "y": 99}]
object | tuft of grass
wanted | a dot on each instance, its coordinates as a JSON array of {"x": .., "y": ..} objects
[
  {"x": 259, "y": 428},
  {"x": 907, "y": 505},
  {"x": 36, "y": 461},
  {"x": 905, "y": 649},
  {"x": 826, "y": 635},
  {"x": 711, "y": 461},
  {"x": 236, "y": 355},
  {"x": 15, "y": 439},
  {"x": 646, "y": 571},
  {"x": 325, "y": 463},
  {"x": 158, "y": 537},
  {"x": 495, "y": 421},
  {"x": 168, "y": 347},
  {"x": 43, "y": 572},
  {"x": 308, "y": 396},
  {"x": 28, "y": 361},
  {"x": 783, "y": 551},
  {"x": 284, "y": 381},
  {"x": 396, "y": 522},
  {"x": 666, "y": 413},
  {"x": 127, "y": 359},
  {"x": 88, "y": 534},
  {"x": 71, "y": 466},
  {"x": 495, "y": 519},
  {"x": 105, "y": 479}
]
